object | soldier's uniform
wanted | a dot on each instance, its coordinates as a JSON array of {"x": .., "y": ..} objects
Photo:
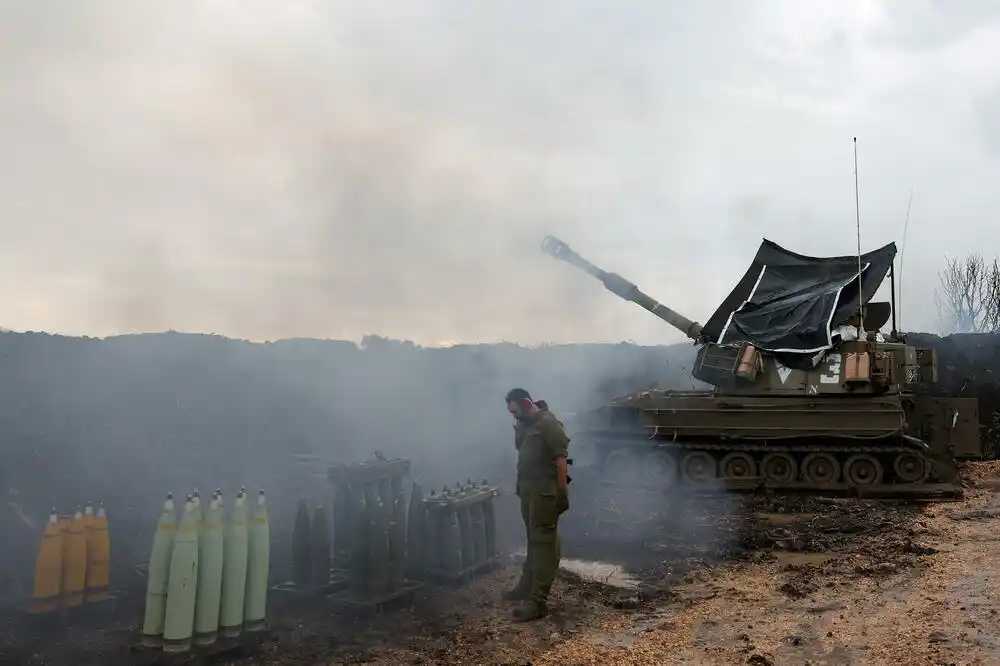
[{"x": 539, "y": 439}]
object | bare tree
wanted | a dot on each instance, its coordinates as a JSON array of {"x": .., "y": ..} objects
[{"x": 968, "y": 298}]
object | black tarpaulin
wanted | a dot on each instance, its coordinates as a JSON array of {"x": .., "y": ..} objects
[{"x": 789, "y": 303}]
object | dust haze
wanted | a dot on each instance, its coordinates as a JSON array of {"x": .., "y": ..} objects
[{"x": 322, "y": 170}]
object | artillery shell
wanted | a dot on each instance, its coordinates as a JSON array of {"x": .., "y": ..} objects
[
  {"x": 48, "y": 568},
  {"x": 451, "y": 540},
  {"x": 235, "y": 545},
  {"x": 301, "y": 547},
  {"x": 431, "y": 519},
  {"x": 320, "y": 574},
  {"x": 359, "y": 548},
  {"x": 465, "y": 534},
  {"x": 182, "y": 583},
  {"x": 98, "y": 557},
  {"x": 210, "y": 561},
  {"x": 415, "y": 530},
  {"x": 379, "y": 553},
  {"x": 158, "y": 576},
  {"x": 344, "y": 513},
  {"x": 478, "y": 532},
  {"x": 74, "y": 561},
  {"x": 490, "y": 525},
  {"x": 397, "y": 536},
  {"x": 258, "y": 567},
  {"x": 397, "y": 549}
]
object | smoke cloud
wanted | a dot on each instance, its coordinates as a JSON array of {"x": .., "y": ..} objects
[{"x": 316, "y": 170}]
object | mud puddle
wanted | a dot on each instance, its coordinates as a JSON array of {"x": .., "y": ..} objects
[
  {"x": 784, "y": 518},
  {"x": 601, "y": 572},
  {"x": 786, "y": 558},
  {"x": 593, "y": 571}
]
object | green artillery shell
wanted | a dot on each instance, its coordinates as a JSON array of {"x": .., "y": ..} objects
[
  {"x": 478, "y": 532},
  {"x": 302, "y": 547},
  {"x": 431, "y": 555},
  {"x": 490, "y": 520},
  {"x": 451, "y": 540},
  {"x": 397, "y": 536},
  {"x": 465, "y": 534},
  {"x": 379, "y": 554},
  {"x": 344, "y": 512},
  {"x": 320, "y": 547},
  {"x": 196, "y": 499},
  {"x": 159, "y": 575},
  {"x": 222, "y": 510},
  {"x": 182, "y": 584},
  {"x": 234, "y": 569},
  {"x": 210, "y": 557},
  {"x": 360, "y": 544},
  {"x": 258, "y": 567},
  {"x": 415, "y": 531},
  {"x": 397, "y": 545}
]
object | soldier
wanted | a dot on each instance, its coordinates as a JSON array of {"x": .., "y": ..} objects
[{"x": 541, "y": 445}]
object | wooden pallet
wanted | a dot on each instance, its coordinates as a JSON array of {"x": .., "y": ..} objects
[
  {"x": 351, "y": 602},
  {"x": 463, "y": 576},
  {"x": 339, "y": 579},
  {"x": 223, "y": 649}
]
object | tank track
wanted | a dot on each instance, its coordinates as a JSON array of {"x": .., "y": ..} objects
[{"x": 874, "y": 467}]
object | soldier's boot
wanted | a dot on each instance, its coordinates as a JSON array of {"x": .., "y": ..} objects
[
  {"x": 521, "y": 591},
  {"x": 545, "y": 563}
]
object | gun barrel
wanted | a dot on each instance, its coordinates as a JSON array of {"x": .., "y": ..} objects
[{"x": 622, "y": 288}]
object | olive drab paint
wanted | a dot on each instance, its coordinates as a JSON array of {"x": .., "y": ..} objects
[
  {"x": 490, "y": 523},
  {"x": 320, "y": 547},
  {"x": 397, "y": 535},
  {"x": 345, "y": 508},
  {"x": 361, "y": 545},
  {"x": 302, "y": 547},
  {"x": 478, "y": 533},
  {"x": 415, "y": 529},
  {"x": 860, "y": 392},
  {"x": 378, "y": 542}
]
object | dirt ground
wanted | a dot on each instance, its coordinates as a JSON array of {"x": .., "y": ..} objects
[{"x": 745, "y": 581}]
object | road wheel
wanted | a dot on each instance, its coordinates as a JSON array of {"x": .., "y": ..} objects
[
  {"x": 820, "y": 468},
  {"x": 738, "y": 465},
  {"x": 699, "y": 466},
  {"x": 780, "y": 468},
  {"x": 911, "y": 467},
  {"x": 863, "y": 469},
  {"x": 622, "y": 466},
  {"x": 660, "y": 468}
]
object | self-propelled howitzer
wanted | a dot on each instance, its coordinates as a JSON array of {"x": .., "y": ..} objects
[{"x": 806, "y": 393}]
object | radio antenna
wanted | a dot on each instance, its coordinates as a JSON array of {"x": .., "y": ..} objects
[
  {"x": 902, "y": 253},
  {"x": 857, "y": 213}
]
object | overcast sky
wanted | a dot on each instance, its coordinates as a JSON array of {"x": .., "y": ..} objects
[{"x": 329, "y": 169}]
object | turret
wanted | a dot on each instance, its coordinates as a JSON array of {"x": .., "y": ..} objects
[{"x": 622, "y": 288}]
